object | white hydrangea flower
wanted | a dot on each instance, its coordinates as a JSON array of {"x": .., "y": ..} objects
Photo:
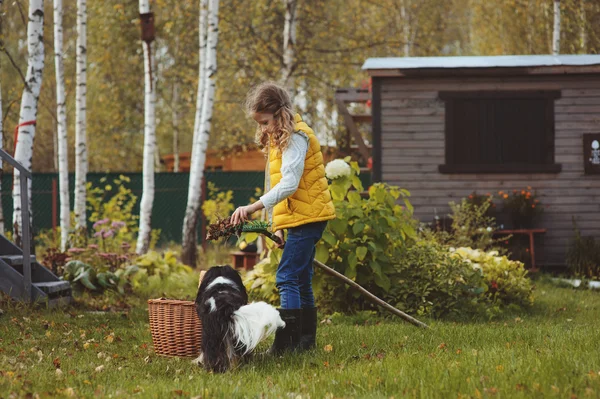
[{"x": 337, "y": 168}]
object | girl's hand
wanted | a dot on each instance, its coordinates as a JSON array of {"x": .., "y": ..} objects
[
  {"x": 241, "y": 214},
  {"x": 279, "y": 233}
]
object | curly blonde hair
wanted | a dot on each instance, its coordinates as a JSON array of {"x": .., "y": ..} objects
[{"x": 271, "y": 98}]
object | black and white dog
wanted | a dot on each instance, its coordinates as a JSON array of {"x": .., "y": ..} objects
[{"x": 231, "y": 328}]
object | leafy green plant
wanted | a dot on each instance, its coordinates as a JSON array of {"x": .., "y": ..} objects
[
  {"x": 506, "y": 279},
  {"x": 479, "y": 199},
  {"x": 471, "y": 226},
  {"x": 260, "y": 281},
  {"x": 153, "y": 270},
  {"x": 583, "y": 255},
  {"x": 428, "y": 280},
  {"x": 84, "y": 276},
  {"x": 146, "y": 274}
]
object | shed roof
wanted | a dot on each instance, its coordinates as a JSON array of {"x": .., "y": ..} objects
[{"x": 526, "y": 64}]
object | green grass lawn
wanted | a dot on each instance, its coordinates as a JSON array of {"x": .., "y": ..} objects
[{"x": 549, "y": 351}]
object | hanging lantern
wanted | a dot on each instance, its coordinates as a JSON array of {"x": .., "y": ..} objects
[{"x": 147, "y": 22}]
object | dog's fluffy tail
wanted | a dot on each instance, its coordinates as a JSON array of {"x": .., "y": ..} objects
[{"x": 254, "y": 322}]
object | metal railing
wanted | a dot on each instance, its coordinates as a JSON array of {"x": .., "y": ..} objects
[{"x": 24, "y": 175}]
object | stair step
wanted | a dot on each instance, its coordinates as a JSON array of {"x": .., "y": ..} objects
[
  {"x": 16, "y": 260},
  {"x": 60, "y": 301},
  {"x": 53, "y": 286}
]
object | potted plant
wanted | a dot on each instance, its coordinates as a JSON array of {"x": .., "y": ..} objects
[{"x": 522, "y": 207}]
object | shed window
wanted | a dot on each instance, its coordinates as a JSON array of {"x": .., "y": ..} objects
[{"x": 500, "y": 132}]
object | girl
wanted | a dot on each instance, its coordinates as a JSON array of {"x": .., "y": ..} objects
[{"x": 301, "y": 204}]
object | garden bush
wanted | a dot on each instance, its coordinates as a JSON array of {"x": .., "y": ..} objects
[
  {"x": 583, "y": 256},
  {"x": 506, "y": 279}
]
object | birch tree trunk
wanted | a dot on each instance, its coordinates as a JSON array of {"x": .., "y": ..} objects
[
  {"x": 81, "y": 158},
  {"x": 1, "y": 131},
  {"x": 405, "y": 28},
  {"x": 61, "y": 113},
  {"x": 200, "y": 141},
  {"x": 175, "y": 122},
  {"x": 582, "y": 27},
  {"x": 29, "y": 105},
  {"x": 145, "y": 228},
  {"x": 289, "y": 44},
  {"x": 556, "y": 30}
]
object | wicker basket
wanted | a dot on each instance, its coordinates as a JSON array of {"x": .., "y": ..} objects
[{"x": 175, "y": 327}]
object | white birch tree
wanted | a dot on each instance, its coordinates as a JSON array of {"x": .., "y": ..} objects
[
  {"x": 175, "y": 123},
  {"x": 1, "y": 132},
  {"x": 289, "y": 44},
  {"x": 145, "y": 227},
  {"x": 29, "y": 105},
  {"x": 81, "y": 156},
  {"x": 206, "y": 87},
  {"x": 582, "y": 27},
  {"x": 556, "y": 30},
  {"x": 1, "y": 162},
  {"x": 405, "y": 21},
  {"x": 61, "y": 113}
]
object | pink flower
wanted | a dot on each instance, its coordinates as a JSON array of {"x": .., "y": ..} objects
[
  {"x": 101, "y": 222},
  {"x": 93, "y": 246},
  {"x": 99, "y": 233},
  {"x": 108, "y": 234},
  {"x": 76, "y": 250},
  {"x": 118, "y": 224}
]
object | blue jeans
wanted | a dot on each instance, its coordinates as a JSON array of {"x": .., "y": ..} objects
[{"x": 295, "y": 271}]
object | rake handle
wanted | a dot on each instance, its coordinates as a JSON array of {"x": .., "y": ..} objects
[{"x": 360, "y": 289}]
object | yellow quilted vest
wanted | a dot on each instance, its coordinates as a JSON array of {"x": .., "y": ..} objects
[{"x": 312, "y": 201}]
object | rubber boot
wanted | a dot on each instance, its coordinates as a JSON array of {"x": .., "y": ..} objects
[
  {"x": 309, "y": 329},
  {"x": 287, "y": 339}
]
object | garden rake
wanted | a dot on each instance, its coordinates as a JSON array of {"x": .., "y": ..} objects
[{"x": 224, "y": 228}]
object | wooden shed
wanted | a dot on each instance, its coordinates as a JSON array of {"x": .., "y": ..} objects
[{"x": 444, "y": 127}]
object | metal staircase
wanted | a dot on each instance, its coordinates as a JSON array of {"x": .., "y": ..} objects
[{"x": 21, "y": 276}]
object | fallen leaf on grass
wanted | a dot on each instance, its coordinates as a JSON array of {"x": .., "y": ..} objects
[
  {"x": 328, "y": 348},
  {"x": 442, "y": 346},
  {"x": 99, "y": 368},
  {"x": 56, "y": 362},
  {"x": 58, "y": 373}
]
